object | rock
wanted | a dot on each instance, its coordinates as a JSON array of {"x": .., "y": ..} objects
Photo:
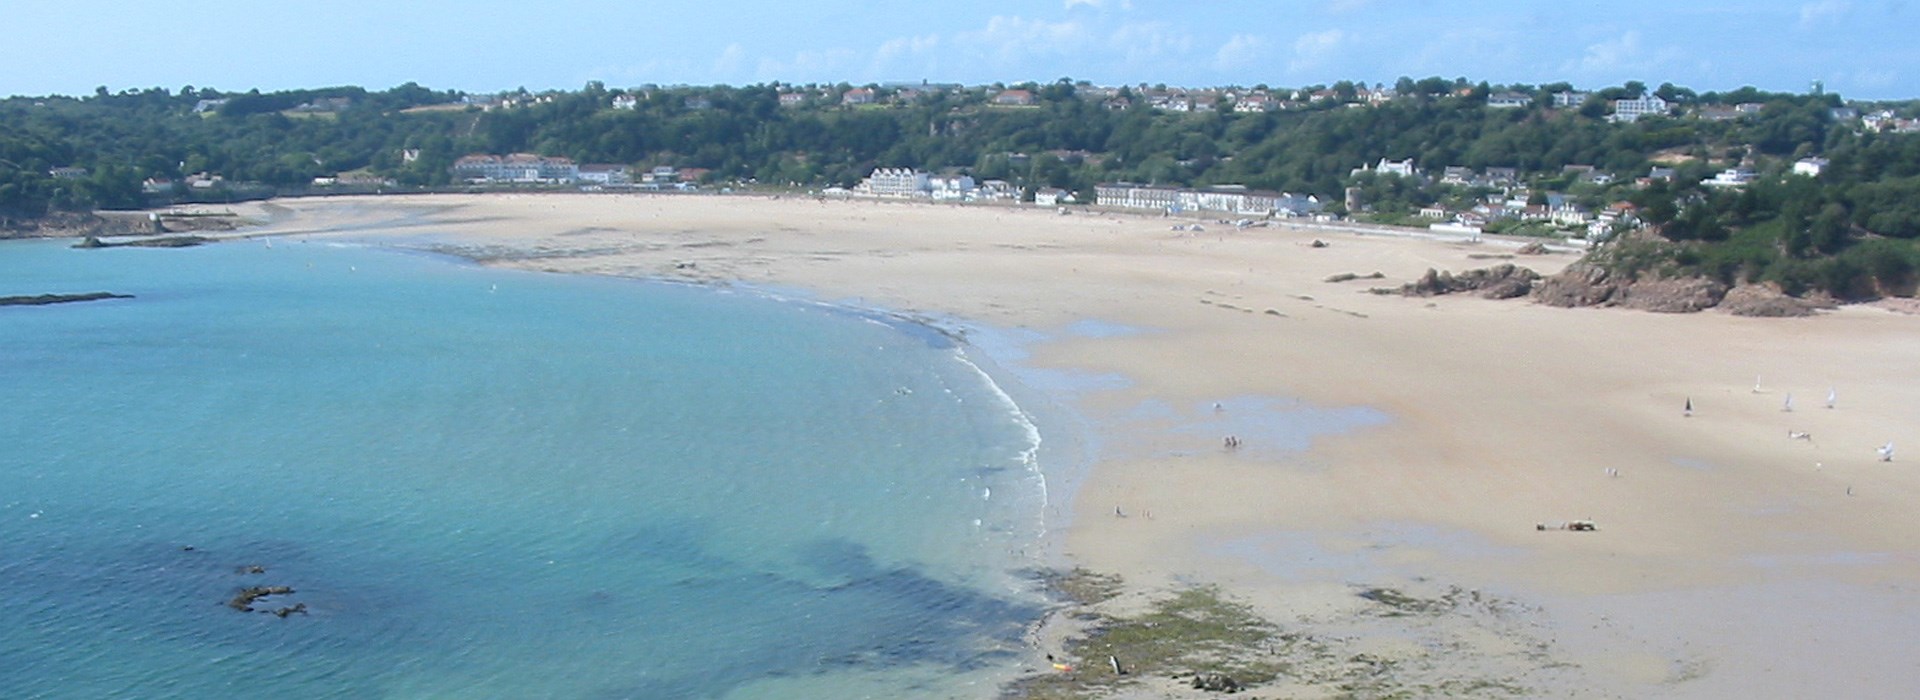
[
  {"x": 1216, "y": 682},
  {"x": 244, "y": 600},
  {"x": 1673, "y": 295},
  {"x": 295, "y": 608},
  {"x": 1503, "y": 281},
  {"x": 1508, "y": 289},
  {"x": 1348, "y": 276},
  {"x": 155, "y": 242},
  {"x": 1581, "y": 284},
  {"x": 1534, "y": 248},
  {"x": 1589, "y": 284},
  {"x": 45, "y": 299},
  {"x": 1760, "y": 300}
]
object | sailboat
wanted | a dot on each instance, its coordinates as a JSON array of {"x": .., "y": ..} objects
[
  {"x": 1788, "y": 406},
  {"x": 1831, "y": 396},
  {"x": 1886, "y": 452},
  {"x": 1689, "y": 409}
]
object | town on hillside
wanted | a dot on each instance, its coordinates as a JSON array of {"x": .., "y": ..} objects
[{"x": 1743, "y": 184}]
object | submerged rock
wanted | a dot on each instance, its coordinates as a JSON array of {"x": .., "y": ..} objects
[
  {"x": 244, "y": 600},
  {"x": 45, "y": 299}
]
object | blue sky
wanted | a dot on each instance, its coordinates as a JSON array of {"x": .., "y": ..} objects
[{"x": 1860, "y": 48}]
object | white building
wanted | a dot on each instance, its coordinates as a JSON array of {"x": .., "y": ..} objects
[
  {"x": 661, "y": 176},
  {"x": 515, "y": 168},
  {"x": 1809, "y": 167},
  {"x": 1401, "y": 168},
  {"x": 1731, "y": 177},
  {"x": 896, "y": 182},
  {"x": 1132, "y": 196},
  {"x": 1231, "y": 199},
  {"x": 995, "y": 189},
  {"x": 1569, "y": 98},
  {"x": 1631, "y": 110},
  {"x": 950, "y": 188},
  {"x": 1509, "y": 100},
  {"x": 605, "y": 174},
  {"x": 1052, "y": 196}
]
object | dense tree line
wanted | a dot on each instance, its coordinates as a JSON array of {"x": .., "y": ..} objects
[{"x": 1848, "y": 232}]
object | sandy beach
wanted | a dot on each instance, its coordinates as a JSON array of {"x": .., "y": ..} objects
[{"x": 1384, "y": 441}]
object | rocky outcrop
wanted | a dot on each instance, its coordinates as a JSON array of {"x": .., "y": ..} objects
[
  {"x": 155, "y": 242},
  {"x": 1503, "y": 281},
  {"x": 1581, "y": 284},
  {"x": 1586, "y": 284},
  {"x": 244, "y": 600},
  {"x": 45, "y": 299},
  {"x": 1675, "y": 295},
  {"x": 1761, "y": 300}
]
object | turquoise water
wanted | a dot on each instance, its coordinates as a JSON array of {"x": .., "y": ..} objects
[{"x": 492, "y": 484}]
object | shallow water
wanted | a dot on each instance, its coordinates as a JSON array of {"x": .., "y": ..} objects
[{"x": 485, "y": 483}]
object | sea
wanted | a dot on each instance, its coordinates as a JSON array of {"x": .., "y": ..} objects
[{"x": 485, "y": 483}]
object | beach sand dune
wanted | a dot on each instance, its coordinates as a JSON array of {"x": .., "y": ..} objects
[{"x": 1384, "y": 440}]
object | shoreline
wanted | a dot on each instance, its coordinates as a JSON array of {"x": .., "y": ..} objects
[{"x": 1500, "y": 415}]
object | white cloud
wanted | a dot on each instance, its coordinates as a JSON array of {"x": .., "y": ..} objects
[
  {"x": 1006, "y": 40},
  {"x": 1612, "y": 58},
  {"x": 1469, "y": 49},
  {"x": 1239, "y": 52},
  {"x": 905, "y": 56},
  {"x": 1312, "y": 48},
  {"x": 1873, "y": 78},
  {"x": 825, "y": 65},
  {"x": 1815, "y": 13},
  {"x": 731, "y": 60},
  {"x": 1144, "y": 42},
  {"x": 905, "y": 47}
]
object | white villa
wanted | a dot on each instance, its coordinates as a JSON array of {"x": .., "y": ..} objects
[
  {"x": 1628, "y": 111},
  {"x": 1731, "y": 177},
  {"x": 896, "y": 182},
  {"x": 1809, "y": 167}
]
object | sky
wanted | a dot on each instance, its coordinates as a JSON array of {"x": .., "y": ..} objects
[{"x": 1862, "y": 49}]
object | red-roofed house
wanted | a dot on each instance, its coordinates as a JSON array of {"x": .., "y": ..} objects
[{"x": 1013, "y": 98}]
